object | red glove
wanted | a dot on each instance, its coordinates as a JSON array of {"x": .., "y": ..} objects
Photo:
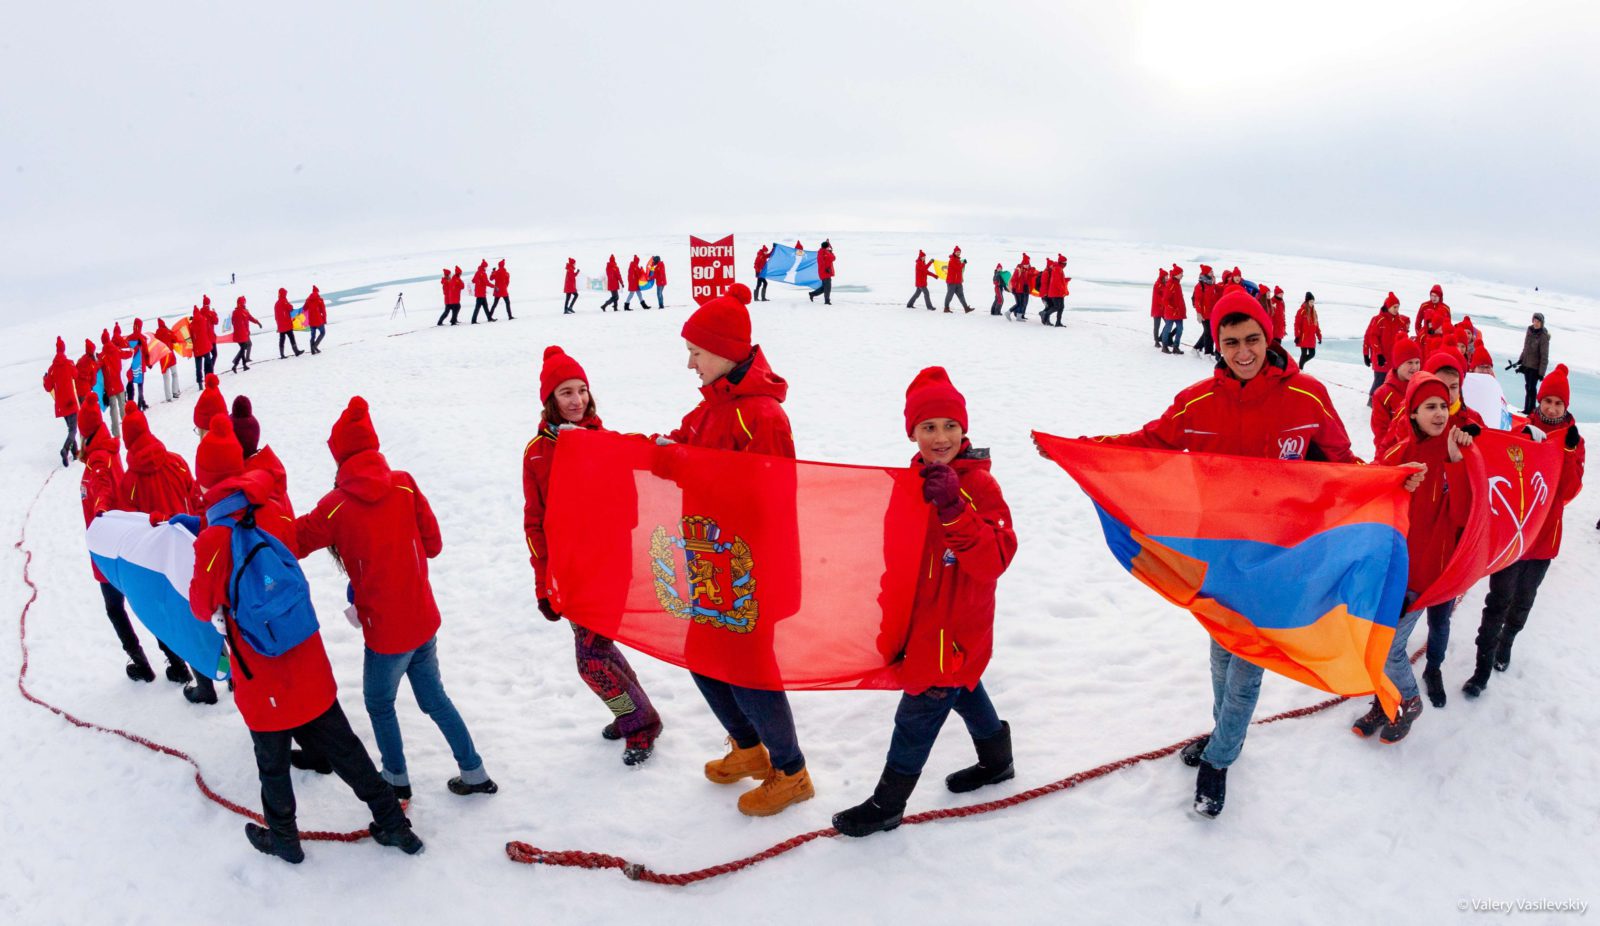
[{"x": 941, "y": 488}]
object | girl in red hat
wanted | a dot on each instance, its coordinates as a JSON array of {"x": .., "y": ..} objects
[
  {"x": 1389, "y": 398},
  {"x": 564, "y": 390},
  {"x": 969, "y": 541}
]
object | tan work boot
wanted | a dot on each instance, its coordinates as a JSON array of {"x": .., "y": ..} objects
[
  {"x": 776, "y": 793},
  {"x": 739, "y": 764}
]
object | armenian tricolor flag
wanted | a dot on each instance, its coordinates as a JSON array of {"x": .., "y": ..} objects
[{"x": 1297, "y": 567}]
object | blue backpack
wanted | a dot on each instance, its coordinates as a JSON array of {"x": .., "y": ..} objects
[{"x": 267, "y": 593}]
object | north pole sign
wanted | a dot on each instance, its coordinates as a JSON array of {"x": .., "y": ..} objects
[{"x": 710, "y": 267}]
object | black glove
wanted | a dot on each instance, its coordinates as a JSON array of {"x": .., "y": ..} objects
[
  {"x": 1572, "y": 436},
  {"x": 1381, "y": 359},
  {"x": 1513, "y": 365},
  {"x": 1366, "y": 360},
  {"x": 1472, "y": 429},
  {"x": 548, "y": 612}
]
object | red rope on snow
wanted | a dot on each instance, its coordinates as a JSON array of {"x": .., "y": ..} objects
[{"x": 199, "y": 776}]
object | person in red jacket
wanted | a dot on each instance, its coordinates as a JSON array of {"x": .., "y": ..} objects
[
  {"x": 1433, "y": 316},
  {"x": 242, "y": 320},
  {"x": 383, "y": 532},
  {"x": 112, "y": 353},
  {"x": 1280, "y": 314},
  {"x": 613, "y": 284},
  {"x": 1054, "y": 290},
  {"x": 283, "y": 314},
  {"x": 501, "y": 278},
  {"x": 88, "y": 366},
  {"x": 138, "y": 345},
  {"x": 451, "y": 290},
  {"x": 1173, "y": 312},
  {"x": 203, "y": 336},
  {"x": 61, "y": 382},
  {"x": 564, "y": 391},
  {"x": 825, "y": 274},
  {"x": 1449, "y": 366},
  {"x": 316, "y": 319},
  {"x": 480, "y": 292},
  {"x": 170, "y": 386},
  {"x": 209, "y": 405},
  {"x": 923, "y": 271},
  {"x": 1256, "y": 403},
  {"x": 955, "y": 274},
  {"x": 1389, "y": 399},
  {"x": 1439, "y": 509},
  {"x": 1021, "y": 289},
  {"x": 1307, "y": 330},
  {"x": 760, "y": 294},
  {"x": 569, "y": 286},
  {"x": 283, "y": 699},
  {"x": 1512, "y": 590},
  {"x": 1377, "y": 345},
  {"x": 636, "y": 278},
  {"x": 1158, "y": 308},
  {"x": 968, "y": 543},
  {"x": 1205, "y": 295},
  {"x": 657, "y": 274},
  {"x": 741, "y": 409}
]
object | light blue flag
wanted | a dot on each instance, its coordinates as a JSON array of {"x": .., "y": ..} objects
[{"x": 783, "y": 267}]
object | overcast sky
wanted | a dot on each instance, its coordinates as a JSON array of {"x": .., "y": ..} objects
[{"x": 143, "y": 141}]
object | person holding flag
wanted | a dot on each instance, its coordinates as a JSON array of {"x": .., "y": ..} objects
[
  {"x": 825, "y": 274},
  {"x": 283, "y": 314},
  {"x": 636, "y": 279},
  {"x": 923, "y": 271},
  {"x": 760, "y": 294},
  {"x": 1256, "y": 403},
  {"x": 316, "y": 312},
  {"x": 657, "y": 275},
  {"x": 954, "y": 277}
]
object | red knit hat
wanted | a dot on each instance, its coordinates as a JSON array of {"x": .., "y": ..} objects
[
  {"x": 932, "y": 395},
  {"x": 1480, "y": 356},
  {"x": 210, "y": 402},
  {"x": 353, "y": 432},
  {"x": 1555, "y": 384},
  {"x": 1205, "y": 268},
  {"x": 557, "y": 369},
  {"x": 134, "y": 428},
  {"x": 1405, "y": 349},
  {"x": 218, "y": 456},
  {"x": 1237, "y": 299},
  {"x": 1423, "y": 385},
  {"x": 89, "y": 418},
  {"x": 1163, "y": 274},
  {"x": 722, "y": 325},
  {"x": 1391, "y": 300},
  {"x": 1277, "y": 290},
  {"x": 1176, "y": 271},
  {"x": 1446, "y": 358}
]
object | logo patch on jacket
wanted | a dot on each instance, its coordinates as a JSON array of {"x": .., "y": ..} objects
[
  {"x": 1291, "y": 448},
  {"x": 718, "y": 583},
  {"x": 949, "y": 557}
]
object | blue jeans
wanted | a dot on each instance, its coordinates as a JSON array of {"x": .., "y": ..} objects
[
  {"x": 1172, "y": 333},
  {"x": 1439, "y": 632},
  {"x": 755, "y": 715},
  {"x": 1398, "y": 668},
  {"x": 380, "y": 682},
  {"x": 1235, "y": 685},
  {"x": 661, "y": 297},
  {"x": 918, "y": 718}
]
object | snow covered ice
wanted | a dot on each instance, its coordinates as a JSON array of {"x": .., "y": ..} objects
[{"x": 1486, "y": 800}]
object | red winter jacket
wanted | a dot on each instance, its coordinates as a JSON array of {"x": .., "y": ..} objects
[
  {"x": 825, "y": 265},
  {"x": 165, "y": 334},
  {"x": 480, "y": 281},
  {"x": 100, "y": 488},
  {"x": 501, "y": 278},
  {"x": 635, "y": 276},
  {"x": 278, "y": 693},
  {"x": 1382, "y": 332},
  {"x": 457, "y": 287},
  {"x": 282, "y": 311},
  {"x": 1548, "y": 543},
  {"x": 111, "y": 357},
  {"x": 1387, "y": 401},
  {"x": 1055, "y": 285},
  {"x": 1439, "y": 507},
  {"x": 951, "y": 634},
  {"x": 1203, "y": 298},
  {"x": 1400, "y": 429},
  {"x": 88, "y": 368},
  {"x": 61, "y": 381},
  {"x": 570, "y": 284},
  {"x": 446, "y": 287},
  {"x": 658, "y": 273},
  {"x": 1433, "y": 317},
  {"x": 316, "y": 310},
  {"x": 1158, "y": 297},
  {"x": 741, "y": 411},
  {"x": 955, "y": 271},
  {"x": 1022, "y": 278},
  {"x": 1175, "y": 310},
  {"x": 242, "y": 320},
  {"x": 1281, "y": 413},
  {"x": 1307, "y": 330},
  {"x": 1280, "y": 318},
  {"x": 537, "y": 459},
  {"x": 203, "y": 331},
  {"x": 385, "y": 532},
  {"x": 158, "y": 481},
  {"x": 761, "y": 261}
]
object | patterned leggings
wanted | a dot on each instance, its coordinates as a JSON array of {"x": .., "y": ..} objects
[{"x": 608, "y": 675}]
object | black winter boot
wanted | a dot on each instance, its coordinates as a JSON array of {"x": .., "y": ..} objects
[
  {"x": 401, "y": 838},
  {"x": 994, "y": 764},
  {"x": 1410, "y": 710},
  {"x": 265, "y": 841},
  {"x": 882, "y": 811},
  {"x": 459, "y": 785},
  {"x": 1502, "y": 656},
  {"x": 1210, "y": 789},
  {"x": 138, "y": 668},
  {"x": 201, "y": 692},
  {"x": 1191, "y": 753},
  {"x": 1433, "y": 680},
  {"x": 1370, "y": 722},
  {"x": 178, "y": 672},
  {"x": 1480, "y": 678}
]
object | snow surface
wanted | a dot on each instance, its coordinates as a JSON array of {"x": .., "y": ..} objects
[{"x": 1492, "y": 800}]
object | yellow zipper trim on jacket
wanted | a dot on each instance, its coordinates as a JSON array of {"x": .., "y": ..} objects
[{"x": 740, "y": 415}]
